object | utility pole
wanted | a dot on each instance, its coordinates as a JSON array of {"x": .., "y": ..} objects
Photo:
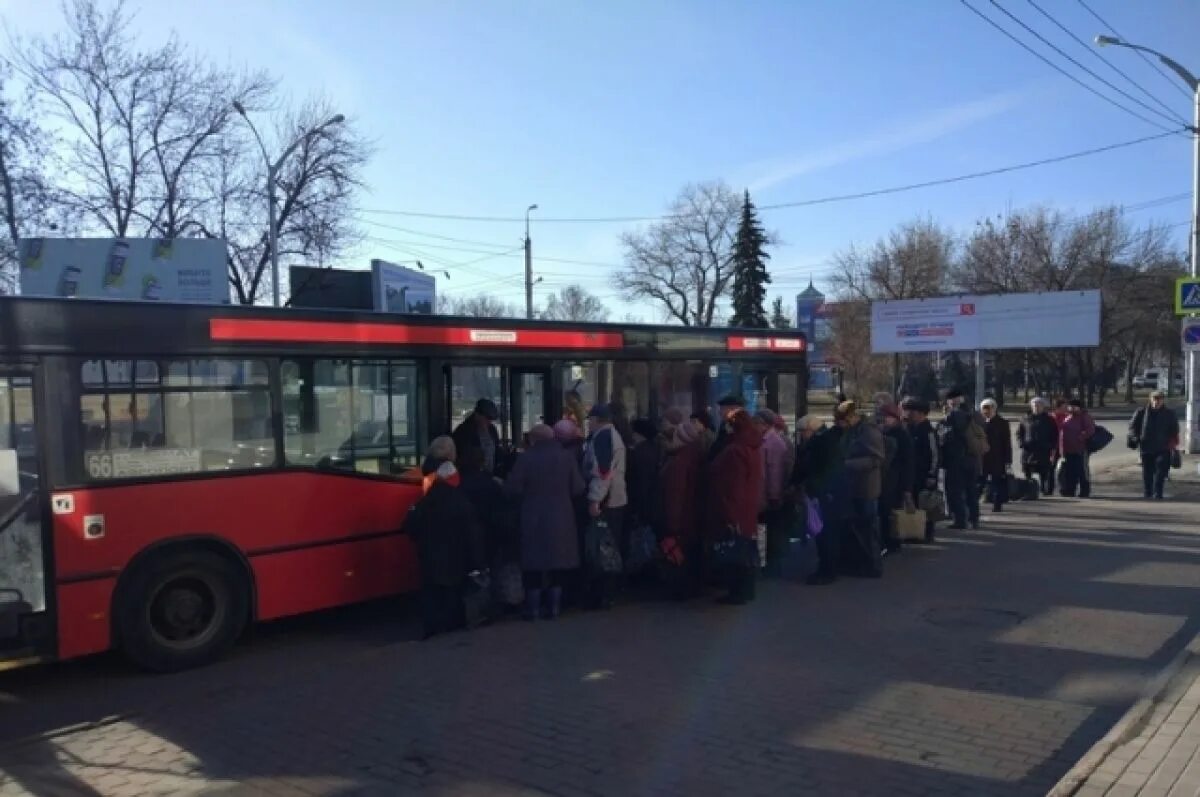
[
  {"x": 1191, "y": 433},
  {"x": 528, "y": 266}
]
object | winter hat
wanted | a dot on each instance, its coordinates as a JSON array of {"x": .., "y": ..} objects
[
  {"x": 731, "y": 401},
  {"x": 889, "y": 411},
  {"x": 540, "y": 433},
  {"x": 601, "y": 412},
  {"x": 566, "y": 430},
  {"x": 845, "y": 410},
  {"x": 687, "y": 433},
  {"x": 673, "y": 416},
  {"x": 487, "y": 408}
]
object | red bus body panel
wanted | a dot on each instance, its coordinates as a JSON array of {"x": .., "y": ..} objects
[{"x": 313, "y": 541}]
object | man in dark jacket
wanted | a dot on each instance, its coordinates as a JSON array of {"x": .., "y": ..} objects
[
  {"x": 997, "y": 462},
  {"x": 643, "y": 462},
  {"x": 897, "y": 477},
  {"x": 925, "y": 453},
  {"x": 478, "y": 431},
  {"x": 863, "y": 453},
  {"x": 819, "y": 470},
  {"x": 1038, "y": 438},
  {"x": 1154, "y": 432},
  {"x": 960, "y": 464}
]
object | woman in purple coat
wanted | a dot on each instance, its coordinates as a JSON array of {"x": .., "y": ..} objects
[{"x": 546, "y": 479}]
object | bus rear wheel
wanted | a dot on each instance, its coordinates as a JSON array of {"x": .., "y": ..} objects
[{"x": 182, "y": 610}]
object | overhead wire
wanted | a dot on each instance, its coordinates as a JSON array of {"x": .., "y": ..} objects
[
  {"x": 1156, "y": 67},
  {"x": 1096, "y": 52},
  {"x": 808, "y": 202},
  {"x": 1056, "y": 67}
]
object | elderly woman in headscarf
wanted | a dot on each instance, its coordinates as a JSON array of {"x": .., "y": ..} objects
[
  {"x": 448, "y": 540},
  {"x": 546, "y": 479},
  {"x": 1037, "y": 437},
  {"x": 679, "y": 483}
]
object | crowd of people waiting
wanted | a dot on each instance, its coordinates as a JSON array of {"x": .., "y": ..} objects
[{"x": 597, "y": 499}]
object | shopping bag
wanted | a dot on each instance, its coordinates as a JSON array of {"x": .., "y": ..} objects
[
  {"x": 601, "y": 553},
  {"x": 933, "y": 503},
  {"x": 1030, "y": 490},
  {"x": 799, "y": 559},
  {"x": 1176, "y": 459},
  {"x": 814, "y": 524},
  {"x": 734, "y": 549},
  {"x": 643, "y": 548},
  {"x": 507, "y": 587},
  {"x": 909, "y": 523}
]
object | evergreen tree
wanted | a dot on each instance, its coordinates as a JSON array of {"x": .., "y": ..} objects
[
  {"x": 780, "y": 319},
  {"x": 750, "y": 275}
]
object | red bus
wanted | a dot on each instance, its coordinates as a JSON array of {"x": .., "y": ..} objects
[{"x": 171, "y": 473}]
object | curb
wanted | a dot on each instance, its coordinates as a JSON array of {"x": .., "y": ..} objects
[{"x": 1129, "y": 725}]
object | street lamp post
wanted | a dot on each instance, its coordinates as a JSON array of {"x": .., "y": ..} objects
[
  {"x": 272, "y": 175},
  {"x": 528, "y": 265},
  {"x": 1191, "y": 438}
]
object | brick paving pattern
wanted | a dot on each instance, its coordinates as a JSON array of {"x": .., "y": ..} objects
[{"x": 987, "y": 664}]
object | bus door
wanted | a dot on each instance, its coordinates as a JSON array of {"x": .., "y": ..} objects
[
  {"x": 529, "y": 400},
  {"x": 23, "y": 553}
]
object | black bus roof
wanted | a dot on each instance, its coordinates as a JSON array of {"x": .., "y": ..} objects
[{"x": 111, "y": 328}]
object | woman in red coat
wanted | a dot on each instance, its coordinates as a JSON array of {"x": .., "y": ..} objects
[{"x": 735, "y": 482}]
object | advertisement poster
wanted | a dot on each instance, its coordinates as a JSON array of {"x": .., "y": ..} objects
[
  {"x": 402, "y": 290},
  {"x": 191, "y": 270},
  {"x": 987, "y": 322}
]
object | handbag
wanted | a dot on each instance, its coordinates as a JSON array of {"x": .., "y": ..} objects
[
  {"x": 1176, "y": 459},
  {"x": 1099, "y": 439},
  {"x": 933, "y": 503},
  {"x": 813, "y": 525},
  {"x": 643, "y": 548},
  {"x": 477, "y": 598},
  {"x": 909, "y": 523},
  {"x": 799, "y": 559},
  {"x": 735, "y": 550},
  {"x": 600, "y": 548}
]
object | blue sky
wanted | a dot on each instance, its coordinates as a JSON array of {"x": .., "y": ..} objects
[{"x": 603, "y": 109}]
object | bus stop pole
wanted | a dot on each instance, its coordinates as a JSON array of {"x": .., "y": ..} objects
[{"x": 980, "y": 376}]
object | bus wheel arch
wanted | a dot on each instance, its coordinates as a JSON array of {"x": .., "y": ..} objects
[{"x": 182, "y": 603}]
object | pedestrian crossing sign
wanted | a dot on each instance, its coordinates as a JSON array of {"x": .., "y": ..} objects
[{"x": 1187, "y": 295}]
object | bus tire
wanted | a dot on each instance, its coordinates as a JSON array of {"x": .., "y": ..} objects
[{"x": 182, "y": 609}]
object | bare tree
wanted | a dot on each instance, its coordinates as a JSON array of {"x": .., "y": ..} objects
[
  {"x": 1043, "y": 250},
  {"x": 684, "y": 262},
  {"x": 25, "y": 197},
  {"x": 913, "y": 262},
  {"x": 315, "y": 192},
  {"x": 850, "y": 348},
  {"x": 573, "y": 303},
  {"x": 151, "y": 146},
  {"x": 480, "y": 306}
]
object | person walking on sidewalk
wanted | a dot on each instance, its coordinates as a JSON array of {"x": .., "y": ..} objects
[
  {"x": 1074, "y": 432},
  {"x": 1037, "y": 437},
  {"x": 997, "y": 462},
  {"x": 1154, "y": 433},
  {"x": 546, "y": 480}
]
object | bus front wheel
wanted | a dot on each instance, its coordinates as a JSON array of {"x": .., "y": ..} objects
[{"x": 182, "y": 610}]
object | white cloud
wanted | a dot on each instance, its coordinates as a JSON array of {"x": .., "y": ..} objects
[{"x": 919, "y": 130}]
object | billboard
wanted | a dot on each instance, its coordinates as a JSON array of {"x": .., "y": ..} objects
[
  {"x": 142, "y": 269},
  {"x": 402, "y": 290},
  {"x": 994, "y": 321},
  {"x": 312, "y": 286}
]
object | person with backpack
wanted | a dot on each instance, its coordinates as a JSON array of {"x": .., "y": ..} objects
[
  {"x": 963, "y": 443},
  {"x": 1154, "y": 434}
]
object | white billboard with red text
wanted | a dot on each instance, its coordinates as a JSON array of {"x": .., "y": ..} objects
[{"x": 1056, "y": 319}]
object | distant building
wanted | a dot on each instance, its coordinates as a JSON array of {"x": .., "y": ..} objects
[{"x": 813, "y": 319}]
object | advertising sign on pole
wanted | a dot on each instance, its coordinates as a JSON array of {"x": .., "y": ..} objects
[
  {"x": 402, "y": 290},
  {"x": 992, "y": 321},
  {"x": 189, "y": 270}
]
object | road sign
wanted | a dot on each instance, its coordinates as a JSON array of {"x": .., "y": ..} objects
[
  {"x": 1191, "y": 334},
  {"x": 1187, "y": 295}
]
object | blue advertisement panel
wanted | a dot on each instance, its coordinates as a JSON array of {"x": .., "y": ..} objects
[{"x": 402, "y": 290}]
